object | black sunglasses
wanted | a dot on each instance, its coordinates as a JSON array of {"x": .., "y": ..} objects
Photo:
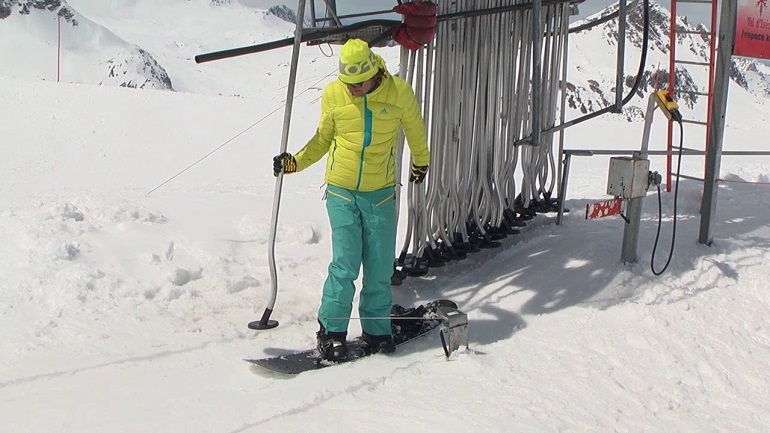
[{"x": 356, "y": 85}]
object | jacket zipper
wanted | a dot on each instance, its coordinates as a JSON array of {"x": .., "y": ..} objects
[{"x": 367, "y": 140}]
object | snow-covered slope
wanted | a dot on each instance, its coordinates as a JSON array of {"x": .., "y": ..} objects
[
  {"x": 124, "y": 312},
  {"x": 127, "y": 312}
]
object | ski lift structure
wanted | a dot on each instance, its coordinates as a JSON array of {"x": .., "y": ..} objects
[
  {"x": 492, "y": 84},
  {"x": 325, "y": 16},
  {"x": 721, "y": 39}
]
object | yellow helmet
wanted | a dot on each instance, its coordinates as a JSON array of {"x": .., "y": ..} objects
[{"x": 357, "y": 62}]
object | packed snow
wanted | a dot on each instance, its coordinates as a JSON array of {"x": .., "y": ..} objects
[{"x": 124, "y": 311}]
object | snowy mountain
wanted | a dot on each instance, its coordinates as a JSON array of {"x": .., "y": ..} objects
[
  {"x": 91, "y": 53},
  {"x": 592, "y": 87},
  {"x": 284, "y": 12},
  {"x": 98, "y": 47}
]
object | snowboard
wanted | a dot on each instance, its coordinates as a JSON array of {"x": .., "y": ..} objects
[{"x": 407, "y": 325}]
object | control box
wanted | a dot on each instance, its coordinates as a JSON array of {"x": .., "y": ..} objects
[{"x": 628, "y": 177}]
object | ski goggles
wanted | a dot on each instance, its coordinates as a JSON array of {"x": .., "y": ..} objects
[{"x": 356, "y": 85}]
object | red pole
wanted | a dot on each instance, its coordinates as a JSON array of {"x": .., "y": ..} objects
[{"x": 58, "y": 49}]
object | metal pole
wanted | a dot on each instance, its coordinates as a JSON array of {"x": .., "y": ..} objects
[
  {"x": 264, "y": 322},
  {"x": 563, "y": 187},
  {"x": 631, "y": 230},
  {"x": 671, "y": 89},
  {"x": 619, "y": 79},
  {"x": 562, "y": 118},
  {"x": 648, "y": 123},
  {"x": 331, "y": 12},
  {"x": 718, "y": 110},
  {"x": 634, "y": 207}
]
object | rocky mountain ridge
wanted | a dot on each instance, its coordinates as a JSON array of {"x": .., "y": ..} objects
[
  {"x": 123, "y": 63},
  {"x": 692, "y": 44}
]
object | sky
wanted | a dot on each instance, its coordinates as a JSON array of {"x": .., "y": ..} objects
[{"x": 124, "y": 311}]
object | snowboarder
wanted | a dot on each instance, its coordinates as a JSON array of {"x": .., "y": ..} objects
[{"x": 361, "y": 114}]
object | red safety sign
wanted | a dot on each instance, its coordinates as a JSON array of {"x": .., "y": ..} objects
[
  {"x": 752, "y": 29},
  {"x": 604, "y": 208}
]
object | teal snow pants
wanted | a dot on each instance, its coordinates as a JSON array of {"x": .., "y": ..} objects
[{"x": 363, "y": 232}]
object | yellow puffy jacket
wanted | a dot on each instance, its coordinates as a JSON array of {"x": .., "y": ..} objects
[{"x": 359, "y": 134}]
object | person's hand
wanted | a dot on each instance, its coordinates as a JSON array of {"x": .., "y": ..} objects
[
  {"x": 284, "y": 163},
  {"x": 417, "y": 174}
]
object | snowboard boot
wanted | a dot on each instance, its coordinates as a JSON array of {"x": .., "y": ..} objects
[
  {"x": 332, "y": 345},
  {"x": 379, "y": 343}
]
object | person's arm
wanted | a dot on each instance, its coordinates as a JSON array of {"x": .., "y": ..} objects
[
  {"x": 318, "y": 146},
  {"x": 414, "y": 127}
]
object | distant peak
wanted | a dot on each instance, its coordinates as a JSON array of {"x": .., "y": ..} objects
[
  {"x": 283, "y": 12},
  {"x": 26, "y": 7}
]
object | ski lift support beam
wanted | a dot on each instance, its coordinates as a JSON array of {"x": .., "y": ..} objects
[{"x": 319, "y": 34}]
